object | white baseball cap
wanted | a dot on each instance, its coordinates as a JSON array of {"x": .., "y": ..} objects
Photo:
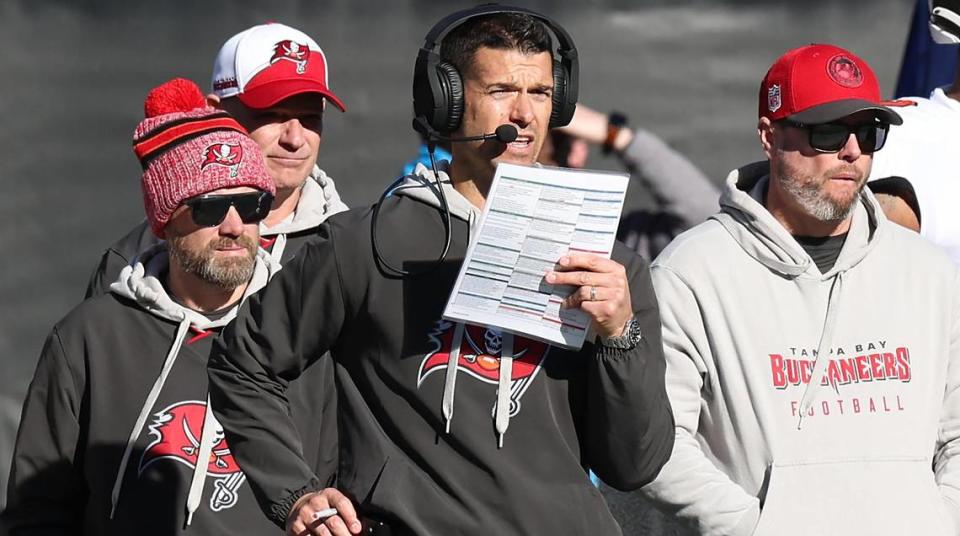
[{"x": 268, "y": 63}]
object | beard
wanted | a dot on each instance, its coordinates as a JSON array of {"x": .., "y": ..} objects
[
  {"x": 809, "y": 191},
  {"x": 227, "y": 273}
]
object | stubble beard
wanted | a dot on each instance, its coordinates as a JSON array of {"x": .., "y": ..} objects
[
  {"x": 808, "y": 192},
  {"x": 227, "y": 272}
]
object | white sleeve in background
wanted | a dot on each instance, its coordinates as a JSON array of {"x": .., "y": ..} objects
[{"x": 691, "y": 486}]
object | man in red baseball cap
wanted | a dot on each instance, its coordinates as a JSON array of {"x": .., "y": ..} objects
[{"x": 806, "y": 388}]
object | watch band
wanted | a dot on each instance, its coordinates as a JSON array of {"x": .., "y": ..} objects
[{"x": 628, "y": 340}]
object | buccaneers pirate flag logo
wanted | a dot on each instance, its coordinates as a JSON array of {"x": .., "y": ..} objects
[
  {"x": 223, "y": 154},
  {"x": 480, "y": 357},
  {"x": 292, "y": 51},
  {"x": 177, "y": 431}
]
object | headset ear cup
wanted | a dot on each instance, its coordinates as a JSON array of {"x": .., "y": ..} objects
[
  {"x": 560, "y": 115},
  {"x": 450, "y": 114}
]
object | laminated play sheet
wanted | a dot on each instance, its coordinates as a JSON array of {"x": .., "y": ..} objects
[{"x": 532, "y": 217}]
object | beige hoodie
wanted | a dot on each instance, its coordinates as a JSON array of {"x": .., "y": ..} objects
[{"x": 745, "y": 312}]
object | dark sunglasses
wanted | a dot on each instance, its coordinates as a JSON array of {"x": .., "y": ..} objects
[
  {"x": 831, "y": 137},
  {"x": 210, "y": 210}
]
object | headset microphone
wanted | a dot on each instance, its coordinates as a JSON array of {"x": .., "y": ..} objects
[{"x": 505, "y": 133}]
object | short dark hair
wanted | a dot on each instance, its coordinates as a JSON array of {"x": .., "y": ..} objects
[{"x": 503, "y": 31}]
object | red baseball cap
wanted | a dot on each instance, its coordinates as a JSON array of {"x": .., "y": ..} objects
[
  {"x": 822, "y": 83},
  {"x": 267, "y": 63}
]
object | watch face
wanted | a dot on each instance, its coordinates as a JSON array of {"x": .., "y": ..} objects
[{"x": 626, "y": 341}]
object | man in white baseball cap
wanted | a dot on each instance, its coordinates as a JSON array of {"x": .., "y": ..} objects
[
  {"x": 274, "y": 80},
  {"x": 265, "y": 64}
]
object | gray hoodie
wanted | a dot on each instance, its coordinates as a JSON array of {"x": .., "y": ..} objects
[
  {"x": 760, "y": 448},
  {"x": 318, "y": 201}
]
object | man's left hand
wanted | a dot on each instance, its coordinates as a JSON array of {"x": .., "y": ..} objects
[{"x": 603, "y": 291}]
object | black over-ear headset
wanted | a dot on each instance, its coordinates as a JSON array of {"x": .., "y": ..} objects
[
  {"x": 438, "y": 86},
  {"x": 438, "y": 108}
]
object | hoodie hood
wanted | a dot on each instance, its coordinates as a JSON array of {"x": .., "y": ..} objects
[
  {"x": 141, "y": 282},
  {"x": 421, "y": 185},
  {"x": 319, "y": 200},
  {"x": 762, "y": 237}
]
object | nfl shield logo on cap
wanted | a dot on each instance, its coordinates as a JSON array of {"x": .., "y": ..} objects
[{"x": 773, "y": 98}]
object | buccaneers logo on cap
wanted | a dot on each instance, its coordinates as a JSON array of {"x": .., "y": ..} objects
[
  {"x": 844, "y": 71},
  {"x": 292, "y": 51},
  {"x": 480, "y": 357},
  {"x": 224, "y": 154},
  {"x": 177, "y": 431}
]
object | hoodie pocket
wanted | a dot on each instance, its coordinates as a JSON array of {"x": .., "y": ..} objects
[{"x": 876, "y": 497}]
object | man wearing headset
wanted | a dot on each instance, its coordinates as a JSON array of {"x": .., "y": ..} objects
[{"x": 404, "y": 459}]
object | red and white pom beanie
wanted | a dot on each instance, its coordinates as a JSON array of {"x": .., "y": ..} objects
[{"x": 188, "y": 148}]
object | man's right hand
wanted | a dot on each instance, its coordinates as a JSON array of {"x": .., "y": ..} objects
[{"x": 306, "y": 518}]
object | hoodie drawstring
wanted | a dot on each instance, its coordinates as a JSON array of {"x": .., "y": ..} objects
[
  {"x": 450, "y": 382},
  {"x": 203, "y": 460},
  {"x": 182, "y": 331},
  {"x": 279, "y": 244},
  {"x": 504, "y": 382},
  {"x": 501, "y": 409},
  {"x": 502, "y": 419},
  {"x": 822, "y": 359}
]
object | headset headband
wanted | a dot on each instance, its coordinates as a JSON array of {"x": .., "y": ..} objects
[
  {"x": 566, "y": 47},
  {"x": 437, "y": 86}
]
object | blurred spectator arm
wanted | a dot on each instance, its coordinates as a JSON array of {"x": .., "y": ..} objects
[{"x": 675, "y": 183}]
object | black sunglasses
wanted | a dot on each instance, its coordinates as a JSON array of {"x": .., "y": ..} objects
[
  {"x": 210, "y": 210},
  {"x": 831, "y": 137}
]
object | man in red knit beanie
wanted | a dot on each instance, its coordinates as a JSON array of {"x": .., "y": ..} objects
[
  {"x": 116, "y": 436},
  {"x": 274, "y": 80}
]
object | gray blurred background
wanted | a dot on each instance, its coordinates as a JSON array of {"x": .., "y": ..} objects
[{"x": 73, "y": 75}]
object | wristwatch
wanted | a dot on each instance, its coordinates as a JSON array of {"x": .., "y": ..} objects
[
  {"x": 616, "y": 121},
  {"x": 627, "y": 340}
]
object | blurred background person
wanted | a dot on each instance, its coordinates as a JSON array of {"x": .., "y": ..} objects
[
  {"x": 682, "y": 196},
  {"x": 924, "y": 152}
]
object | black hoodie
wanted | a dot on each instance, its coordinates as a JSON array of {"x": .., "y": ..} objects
[
  {"x": 101, "y": 431},
  {"x": 598, "y": 408}
]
